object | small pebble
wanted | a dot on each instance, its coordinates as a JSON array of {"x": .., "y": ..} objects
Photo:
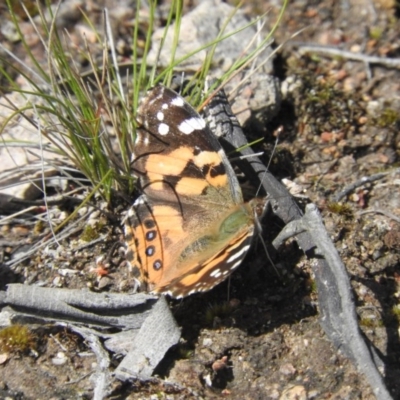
[{"x": 60, "y": 359}]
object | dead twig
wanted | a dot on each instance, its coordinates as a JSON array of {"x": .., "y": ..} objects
[
  {"x": 148, "y": 326},
  {"x": 119, "y": 310},
  {"x": 101, "y": 378},
  {"x": 335, "y": 52},
  {"x": 338, "y": 316},
  {"x": 334, "y": 282},
  {"x": 156, "y": 336},
  {"x": 360, "y": 182},
  {"x": 381, "y": 211}
]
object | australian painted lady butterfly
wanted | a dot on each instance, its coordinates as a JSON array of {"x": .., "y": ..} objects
[{"x": 190, "y": 228}]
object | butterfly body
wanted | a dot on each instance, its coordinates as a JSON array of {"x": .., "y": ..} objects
[{"x": 190, "y": 229}]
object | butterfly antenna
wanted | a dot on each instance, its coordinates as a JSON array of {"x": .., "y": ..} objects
[
  {"x": 258, "y": 229},
  {"x": 276, "y": 133},
  {"x": 268, "y": 256}
]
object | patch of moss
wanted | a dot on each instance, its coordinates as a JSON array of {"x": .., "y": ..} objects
[
  {"x": 39, "y": 227},
  {"x": 375, "y": 33},
  {"x": 341, "y": 209},
  {"x": 90, "y": 233},
  {"x": 371, "y": 322},
  {"x": 388, "y": 118},
  {"x": 220, "y": 310},
  {"x": 323, "y": 93},
  {"x": 396, "y": 312},
  {"x": 185, "y": 352},
  {"x": 312, "y": 285},
  {"x": 16, "y": 339}
]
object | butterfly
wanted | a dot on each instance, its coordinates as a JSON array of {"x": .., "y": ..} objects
[{"x": 190, "y": 228}]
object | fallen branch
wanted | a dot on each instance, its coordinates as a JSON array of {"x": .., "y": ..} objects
[
  {"x": 333, "y": 282},
  {"x": 156, "y": 336},
  {"x": 338, "y": 317},
  {"x": 120, "y": 310},
  {"x": 381, "y": 211},
  {"x": 149, "y": 327},
  {"x": 101, "y": 378},
  {"x": 365, "y": 179},
  {"x": 349, "y": 55}
]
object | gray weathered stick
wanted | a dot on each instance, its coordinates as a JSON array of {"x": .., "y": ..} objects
[
  {"x": 146, "y": 318},
  {"x": 121, "y": 310},
  {"x": 334, "y": 292},
  {"x": 101, "y": 378},
  {"x": 338, "y": 287},
  {"x": 158, "y": 333}
]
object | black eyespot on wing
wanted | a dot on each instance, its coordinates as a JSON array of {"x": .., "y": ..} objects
[
  {"x": 151, "y": 235},
  {"x": 150, "y": 251},
  {"x": 157, "y": 265},
  {"x": 149, "y": 223}
]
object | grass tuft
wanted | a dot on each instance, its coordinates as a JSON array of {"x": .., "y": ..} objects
[{"x": 85, "y": 121}]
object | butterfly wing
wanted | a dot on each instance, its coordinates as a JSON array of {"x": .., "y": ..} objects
[
  {"x": 190, "y": 229},
  {"x": 176, "y": 153},
  {"x": 167, "y": 259}
]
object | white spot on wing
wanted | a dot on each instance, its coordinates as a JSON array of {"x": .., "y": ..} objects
[
  {"x": 160, "y": 116},
  {"x": 178, "y": 102},
  {"x": 192, "y": 124},
  {"x": 139, "y": 200},
  {"x": 239, "y": 254},
  {"x": 216, "y": 273},
  {"x": 163, "y": 129},
  {"x": 236, "y": 265},
  {"x": 164, "y": 106}
]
